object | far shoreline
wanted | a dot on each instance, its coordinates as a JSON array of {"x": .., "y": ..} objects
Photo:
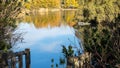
[{"x": 42, "y": 10}]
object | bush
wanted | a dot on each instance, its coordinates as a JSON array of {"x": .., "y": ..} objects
[{"x": 9, "y": 9}]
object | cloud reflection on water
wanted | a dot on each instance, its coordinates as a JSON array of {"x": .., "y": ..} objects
[
  {"x": 33, "y": 35},
  {"x": 45, "y": 43}
]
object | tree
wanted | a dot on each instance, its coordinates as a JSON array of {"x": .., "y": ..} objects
[
  {"x": 101, "y": 37},
  {"x": 70, "y": 4},
  {"x": 9, "y": 9},
  {"x": 36, "y": 4},
  {"x": 102, "y": 9},
  {"x": 102, "y": 40}
]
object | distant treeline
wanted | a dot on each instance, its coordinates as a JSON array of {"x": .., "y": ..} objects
[
  {"x": 67, "y": 3},
  {"x": 88, "y": 9},
  {"x": 51, "y": 4}
]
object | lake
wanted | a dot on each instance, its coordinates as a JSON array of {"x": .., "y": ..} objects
[{"x": 45, "y": 33}]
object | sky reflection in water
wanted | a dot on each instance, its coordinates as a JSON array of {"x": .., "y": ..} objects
[{"x": 45, "y": 43}]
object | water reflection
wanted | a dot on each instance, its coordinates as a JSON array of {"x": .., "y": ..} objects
[
  {"x": 34, "y": 35},
  {"x": 45, "y": 33},
  {"x": 45, "y": 43},
  {"x": 51, "y": 18}
]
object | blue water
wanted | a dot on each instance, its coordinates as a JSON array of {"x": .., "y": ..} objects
[{"x": 45, "y": 43}]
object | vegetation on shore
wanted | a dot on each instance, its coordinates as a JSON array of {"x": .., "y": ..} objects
[
  {"x": 103, "y": 41},
  {"x": 8, "y": 14},
  {"x": 101, "y": 38}
]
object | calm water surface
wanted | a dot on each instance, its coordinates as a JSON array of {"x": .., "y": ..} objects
[{"x": 44, "y": 33}]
